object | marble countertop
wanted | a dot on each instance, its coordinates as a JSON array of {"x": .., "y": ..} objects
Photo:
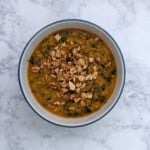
[{"x": 127, "y": 126}]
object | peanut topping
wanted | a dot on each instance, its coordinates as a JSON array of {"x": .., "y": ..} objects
[
  {"x": 35, "y": 69},
  {"x": 57, "y": 37},
  {"x": 71, "y": 86}
]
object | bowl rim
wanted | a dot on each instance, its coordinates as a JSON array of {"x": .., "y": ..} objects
[{"x": 118, "y": 50}]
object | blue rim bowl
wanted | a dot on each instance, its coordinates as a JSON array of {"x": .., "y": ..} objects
[{"x": 23, "y": 64}]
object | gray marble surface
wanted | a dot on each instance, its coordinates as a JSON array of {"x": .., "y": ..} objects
[{"x": 127, "y": 126}]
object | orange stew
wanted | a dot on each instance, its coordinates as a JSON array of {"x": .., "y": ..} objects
[{"x": 72, "y": 73}]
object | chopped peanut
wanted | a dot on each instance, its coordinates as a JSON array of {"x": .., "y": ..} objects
[
  {"x": 81, "y": 62},
  {"x": 63, "y": 44},
  {"x": 91, "y": 59},
  {"x": 77, "y": 99},
  {"x": 53, "y": 53},
  {"x": 57, "y": 37},
  {"x": 71, "y": 86},
  {"x": 57, "y": 103},
  {"x": 58, "y": 54},
  {"x": 52, "y": 75},
  {"x": 63, "y": 84},
  {"x": 81, "y": 78},
  {"x": 96, "y": 38},
  {"x": 64, "y": 90},
  {"x": 89, "y": 95},
  {"x": 108, "y": 64},
  {"x": 83, "y": 95},
  {"x": 71, "y": 108},
  {"x": 35, "y": 69}
]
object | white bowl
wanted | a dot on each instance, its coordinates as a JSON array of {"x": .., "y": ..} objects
[{"x": 34, "y": 41}]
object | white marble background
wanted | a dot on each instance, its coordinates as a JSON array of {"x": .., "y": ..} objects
[{"x": 127, "y": 127}]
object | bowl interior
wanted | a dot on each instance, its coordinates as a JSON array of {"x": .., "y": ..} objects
[{"x": 24, "y": 80}]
